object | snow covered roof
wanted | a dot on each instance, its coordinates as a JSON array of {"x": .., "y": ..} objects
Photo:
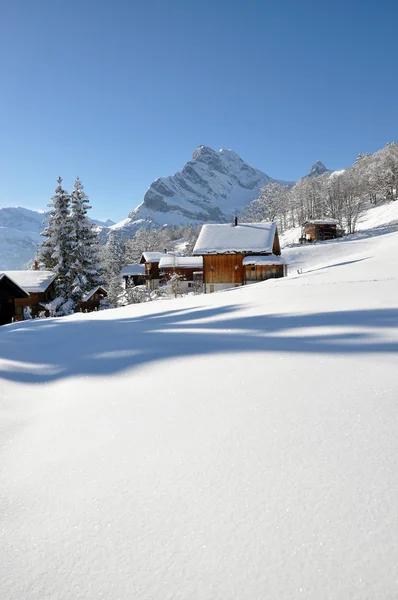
[
  {"x": 231, "y": 239},
  {"x": 24, "y": 293},
  {"x": 133, "y": 270},
  {"x": 272, "y": 259},
  {"x": 326, "y": 221},
  {"x": 91, "y": 293},
  {"x": 152, "y": 256},
  {"x": 34, "y": 282},
  {"x": 181, "y": 262}
]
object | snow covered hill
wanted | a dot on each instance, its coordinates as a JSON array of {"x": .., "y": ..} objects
[{"x": 235, "y": 445}]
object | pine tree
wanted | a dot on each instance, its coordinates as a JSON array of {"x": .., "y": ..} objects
[
  {"x": 85, "y": 270},
  {"x": 55, "y": 251},
  {"x": 112, "y": 258}
]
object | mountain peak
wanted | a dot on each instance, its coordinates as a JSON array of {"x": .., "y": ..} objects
[{"x": 318, "y": 168}]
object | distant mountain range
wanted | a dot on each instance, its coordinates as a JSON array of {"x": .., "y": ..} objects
[
  {"x": 211, "y": 187},
  {"x": 20, "y": 230}
]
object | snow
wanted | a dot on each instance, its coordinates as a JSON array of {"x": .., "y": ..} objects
[
  {"x": 231, "y": 239},
  {"x": 239, "y": 444},
  {"x": 325, "y": 221},
  {"x": 181, "y": 262},
  {"x": 35, "y": 282},
  {"x": 133, "y": 270},
  {"x": 263, "y": 260}
]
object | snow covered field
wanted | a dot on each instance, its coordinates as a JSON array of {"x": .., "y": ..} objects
[{"x": 236, "y": 445}]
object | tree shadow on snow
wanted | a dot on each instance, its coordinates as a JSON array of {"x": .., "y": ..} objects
[{"x": 48, "y": 350}]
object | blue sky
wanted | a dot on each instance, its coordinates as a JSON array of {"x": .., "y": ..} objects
[{"x": 122, "y": 92}]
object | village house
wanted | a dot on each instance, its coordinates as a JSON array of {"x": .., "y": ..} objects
[
  {"x": 239, "y": 254},
  {"x": 93, "y": 299},
  {"x": 40, "y": 287},
  {"x": 133, "y": 275},
  {"x": 10, "y": 292},
  {"x": 151, "y": 262},
  {"x": 319, "y": 230},
  {"x": 189, "y": 268}
]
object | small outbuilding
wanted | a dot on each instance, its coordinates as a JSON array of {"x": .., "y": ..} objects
[
  {"x": 10, "y": 293},
  {"x": 133, "y": 275},
  {"x": 187, "y": 267},
  {"x": 93, "y": 299},
  {"x": 225, "y": 247},
  {"x": 319, "y": 230}
]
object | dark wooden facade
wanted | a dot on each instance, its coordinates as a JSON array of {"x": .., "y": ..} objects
[
  {"x": 36, "y": 302},
  {"x": 254, "y": 273},
  {"x": 317, "y": 231},
  {"x": 93, "y": 302},
  {"x": 10, "y": 292}
]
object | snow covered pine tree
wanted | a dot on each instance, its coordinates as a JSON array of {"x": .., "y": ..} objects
[
  {"x": 85, "y": 273},
  {"x": 55, "y": 251}
]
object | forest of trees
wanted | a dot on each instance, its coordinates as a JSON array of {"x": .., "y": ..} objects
[{"x": 342, "y": 195}]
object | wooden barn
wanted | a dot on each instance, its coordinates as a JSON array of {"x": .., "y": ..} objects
[
  {"x": 40, "y": 287},
  {"x": 92, "y": 300},
  {"x": 133, "y": 275},
  {"x": 10, "y": 292},
  {"x": 238, "y": 254},
  {"x": 151, "y": 262},
  {"x": 188, "y": 267},
  {"x": 319, "y": 230}
]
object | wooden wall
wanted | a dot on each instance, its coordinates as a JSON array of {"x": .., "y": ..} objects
[
  {"x": 262, "y": 272},
  {"x": 220, "y": 268}
]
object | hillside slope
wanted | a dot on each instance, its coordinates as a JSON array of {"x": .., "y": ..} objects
[{"x": 235, "y": 445}]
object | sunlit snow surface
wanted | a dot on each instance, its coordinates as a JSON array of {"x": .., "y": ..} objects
[{"x": 235, "y": 445}]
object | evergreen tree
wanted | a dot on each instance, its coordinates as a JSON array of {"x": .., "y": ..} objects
[
  {"x": 84, "y": 270},
  {"x": 112, "y": 258},
  {"x": 55, "y": 251}
]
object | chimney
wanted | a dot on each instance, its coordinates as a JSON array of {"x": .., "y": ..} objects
[
  {"x": 165, "y": 251},
  {"x": 36, "y": 265},
  {"x": 235, "y": 221}
]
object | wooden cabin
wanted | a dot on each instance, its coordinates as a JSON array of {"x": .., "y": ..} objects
[
  {"x": 188, "y": 267},
  {"x": 238, "y": 254},
  {"x": 133, "y": 275},
  {"x": 151, "y": 262},
  {"x": 319, "y": 230},
  {"x": 40, "y": 286},
  {"x": 10, "y": 293},
  {"x": 92, "y": 300}
]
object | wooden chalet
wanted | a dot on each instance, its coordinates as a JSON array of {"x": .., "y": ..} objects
[
  {"x": 151, "y": 261},
  {"x": 133, "y": 275},
  {"x": 10, "y": 293},
  {"x": 239, "y": 254},
  {"x": 92, "y": 300},
  {"x": 188, "y": 267},
  {"x": 319, "y": 230},
  {"x": 40, "y": 286}
]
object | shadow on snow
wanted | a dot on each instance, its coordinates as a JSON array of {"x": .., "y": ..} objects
[{"x": 46, "y": 351}]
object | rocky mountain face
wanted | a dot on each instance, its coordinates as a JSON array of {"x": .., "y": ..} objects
[
  {"x": 318, "y": 168},
  {"x": 212, "y": 187}
]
